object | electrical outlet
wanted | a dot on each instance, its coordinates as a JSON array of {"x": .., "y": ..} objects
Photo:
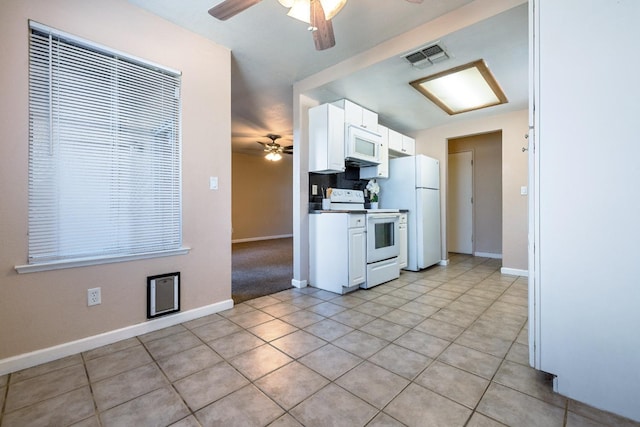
[
  {"x": 314, "y": 189},
  {"x": 93, "y": 296}
]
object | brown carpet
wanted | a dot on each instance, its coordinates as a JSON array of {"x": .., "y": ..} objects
[{"x": 260, "y": 268}]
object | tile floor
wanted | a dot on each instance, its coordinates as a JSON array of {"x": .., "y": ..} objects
[{"x": 443, "y": 347}]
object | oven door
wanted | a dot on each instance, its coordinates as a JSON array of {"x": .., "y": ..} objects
[{"x": 383, "y": 236}]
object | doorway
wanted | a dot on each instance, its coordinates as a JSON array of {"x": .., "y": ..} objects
[{"x": 486, "y": 194}]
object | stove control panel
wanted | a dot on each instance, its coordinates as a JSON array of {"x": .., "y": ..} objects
[{"x": 340, "y": 195}]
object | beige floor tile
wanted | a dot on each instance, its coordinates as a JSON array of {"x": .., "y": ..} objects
[
  {"x": 419, "y": 308},
  {"x": 188, "y": 362},
  {"x": 260, "y": 361},
  {"x": 401, "y": 361},
  {"x": 291, "y": 384},
  {"x": 470, "y": 360},
  {"x": 403, "y": 318},
  {"x": 285, "y": 421},
  {"x": 303, "y": 318},
  {"x": 46, "y": 386},
  {"x": 252, "y": 318},
  {"x": 204, "y": 320},
  {"x": 439, "y": 329},
  {"x": 272, "y": 330},
  {"x": 361, "y": 344},
  {"x": 64, "y": 409},
  {"x": 262, "y": 301},
  {"x": 479, "y": 420},
  {"x": 324, "y": 295},
  {"x": 575, "y": 420},
  {"x": 238, "y": 309},
  {"x": 280, "y": 309},
  {"x": 328, "y": 329},
  {"x": 496, "y": 329},
  {"x": 235, "y": 344},
  {"x": 44, "y": 368},
  {"x": 212, "y": 331},
  {"x": 454, "y": 317},
  {"x": 422, "y": 343},
  {"x": 384, "y": 329},
  {"x": 417, "y": 406},
  {"x": 247, "y": 407},
  {"x": 162, "y": 333},
  {"x": 353, "y": 318},
  {"x": 433, "y": 301},
  {"x": 160, "y": 407},
  {"x": 92, "y": 421},
  {"x": 173, "y": 344},
  {"x": 604, "y": 417},
  {"x": 487, "y": 344},
  {"x": 115, "y": 390},
  {"x": 196, "y": 389},
  {"x": 4, "y": 380},
  {"x": 518, "y": 409},
  {"x": 298, "y": 344},
  {"x": 330, "y": 361},
  {"x": 346, "y": 410},
  {"x": 456, "y": 384},
  {"x": 189, "y": 421},
  {"x": 384, "y": 420},
  {"x": 111, "y": 348},
  {"x": 405, "y": 293},
  {"x": 519, "y": 353},
  {"x": 529, "y": 381},
  {"x": 391, "y": 301},
  {"x": 327, "y": 309},
  {"x": 373, "y": 308},
  {"x": 306, "y": 301},
  {"x": 373, "y": 384}
]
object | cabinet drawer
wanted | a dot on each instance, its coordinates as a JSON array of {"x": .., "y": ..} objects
[{"x": 356, "y": 220}]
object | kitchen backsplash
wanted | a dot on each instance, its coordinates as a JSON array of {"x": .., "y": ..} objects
[{"x": 349, "y": 179}]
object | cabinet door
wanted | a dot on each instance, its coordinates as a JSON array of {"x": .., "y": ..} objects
[
  {"x": 395, "y": 140},
  {"x": 404, "y": 239},
  {"x": 369, "y": 119},
  {"x": 408, "y": 145},
  {"x": 352, "y": 113},
  {"x": 357, "y": 256},
  {"x": 326, "y": 139}
]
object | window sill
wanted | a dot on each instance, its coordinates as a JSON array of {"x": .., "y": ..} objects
[{"x": 83, "y": 262}]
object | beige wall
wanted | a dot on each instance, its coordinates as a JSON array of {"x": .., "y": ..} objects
[
  {"x": 262, "y": 195},
  {"x": 433, "y": 142},
  {"x": 487, "y": 189},
  {"x": 39, "y": 310}
]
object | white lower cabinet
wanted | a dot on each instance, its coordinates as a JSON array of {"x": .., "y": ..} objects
[{"x": 337, "y": 252}]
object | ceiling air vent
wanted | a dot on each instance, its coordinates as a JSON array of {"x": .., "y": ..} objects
[{"x": 427, "y": 56}]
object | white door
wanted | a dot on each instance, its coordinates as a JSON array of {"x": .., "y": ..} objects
[{"x": 460, "y": 203}]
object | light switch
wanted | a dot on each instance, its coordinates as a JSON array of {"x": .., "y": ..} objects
[
  {"x": 523, "y": 190},
  {"x": 314, "y": 189},
  {"x": 213, "y": 183}
]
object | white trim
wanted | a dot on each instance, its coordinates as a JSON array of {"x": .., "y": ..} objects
[
  {"x": 514, "y": 272},
  {"x": 444, "y": 262},
  {"x": 83, "y": 262},
  {"x": 255, "y": 239},
  {"x": 488, "y": 255},
  {"x": 28, "y": 360},
  {"x": 298, "y": 283}
]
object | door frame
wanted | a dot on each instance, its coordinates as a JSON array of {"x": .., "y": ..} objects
[{"x": 473, "y": 196}]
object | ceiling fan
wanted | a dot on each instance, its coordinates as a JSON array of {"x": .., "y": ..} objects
[
  {"x": 273, "y": 149},
  {"x": 317, "y": 13}
]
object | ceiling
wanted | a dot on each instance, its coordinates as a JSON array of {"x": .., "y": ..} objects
[{"x": 271, "y": 52}]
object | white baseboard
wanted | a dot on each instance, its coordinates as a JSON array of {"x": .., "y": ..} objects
[
  {"x": 28, "y": 360},
  {"x": 444, "y": 262},
  {"x": 255, "y": 239},
  {"x": 488, "y": 255},
  {"x": 514, "y": 272},
  {"x": 298, "y": 283}
]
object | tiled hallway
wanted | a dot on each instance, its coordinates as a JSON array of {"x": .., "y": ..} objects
[{"x": 443, "y": 347}]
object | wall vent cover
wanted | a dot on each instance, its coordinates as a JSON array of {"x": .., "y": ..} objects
[{"x": 426, "y": 56}]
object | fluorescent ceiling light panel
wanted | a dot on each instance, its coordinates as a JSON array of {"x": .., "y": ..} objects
[{"x": 465, "y": 88}]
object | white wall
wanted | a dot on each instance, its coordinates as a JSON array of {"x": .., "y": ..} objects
[
  {"x": 589, "y": 228},
  {"x": 434, "y": 142}
]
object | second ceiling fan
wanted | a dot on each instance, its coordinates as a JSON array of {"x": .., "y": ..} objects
[{"x": 317, "y": 13}]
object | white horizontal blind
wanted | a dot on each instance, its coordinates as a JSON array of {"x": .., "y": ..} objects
[{"x": 104, "y": 152}]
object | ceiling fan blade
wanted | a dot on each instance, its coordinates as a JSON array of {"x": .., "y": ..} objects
[
  {"x": 323, "y": 29},
  {"x": 230, "y": 8}
]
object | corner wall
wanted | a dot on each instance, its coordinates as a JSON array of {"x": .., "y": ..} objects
[
  {"x": 433, "y": 142},
  {"x": 41, "y": 310}
]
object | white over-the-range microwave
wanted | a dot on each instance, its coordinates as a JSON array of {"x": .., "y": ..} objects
[{"x": 362, "y": 146}]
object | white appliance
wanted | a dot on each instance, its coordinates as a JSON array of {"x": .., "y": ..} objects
[
  {"x": 383, "y": 236},
  {"x": 414, "y": 184},
  {"x": 362, "y": 146}
]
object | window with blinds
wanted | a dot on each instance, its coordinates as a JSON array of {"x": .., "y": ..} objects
[{"x": 104, "y": 152}]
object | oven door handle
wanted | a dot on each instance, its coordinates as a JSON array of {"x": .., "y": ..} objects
[{"x": 378, "y": 216}]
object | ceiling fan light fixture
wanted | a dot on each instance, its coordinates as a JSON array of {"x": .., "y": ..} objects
[
  {"x": 273, "y": 156},
  {"x": 301, "y": 9}
]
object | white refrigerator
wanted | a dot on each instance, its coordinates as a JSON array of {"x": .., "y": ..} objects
[{"x": 414, "y": 184}]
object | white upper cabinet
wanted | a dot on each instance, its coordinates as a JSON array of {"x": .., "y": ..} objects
[
  {"x": 381, "y": 170},
  {"x": 357, "y": 115},
  {"x": 401, "y": 145},
  {"x": 326, "y": 139}
]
